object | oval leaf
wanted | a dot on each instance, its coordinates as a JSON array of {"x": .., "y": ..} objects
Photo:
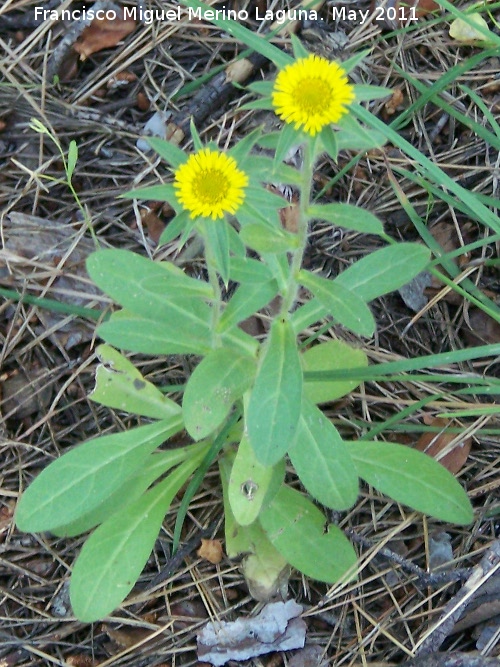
[
  {"x": 322, "y": 461},
  {"x": 331, "y": 356},
  {"x": 250, "y": 483},
  {"x": 217, "y": 382},
  {"x": 296, "y": 528},
  {"x": 265, "y": 570},
  {"x": 274, "y": 406},
  {"x": 412, "y": 478}
]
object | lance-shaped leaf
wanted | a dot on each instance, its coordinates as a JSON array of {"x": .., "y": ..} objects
[
  {"x": 114, "y": 555},
  {"x": 348, "y": 216},
  {"x": 268, "y": 239},
  {"x": 246, "y": 301},
  {"x": 248, "y": 270},
  {"x": 412, "y": 478},
  {"x": 217, "y": 247},
  {"x": 322, "y": 460},
  {"x": 384, "y": 270},
  {"x": 148, "y": 336},
  {"x": 121, "y": 386},
  {"x": 299, "y": 531},
  {"x": 133, "y": 487},
  {"x": 273, "y": 409},
  {"x": 343, "y": 304},
  {"x": 217, "y": 382},
  {"x": 83, "y": 478},
  {"x": 150, "y": 289}
]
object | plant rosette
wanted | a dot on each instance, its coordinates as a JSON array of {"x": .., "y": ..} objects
[{"x": 252, "y": 405}]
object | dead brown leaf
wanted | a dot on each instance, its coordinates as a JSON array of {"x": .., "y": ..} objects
[
  {"x": 482, "y": 328},
  {"x": 126, "y": 637},
  {"x": 103, "y": 34},
  {"x": 396, "y": 100},
  {"x": 434, "y": 443},
  {"x": 211, "y": 550}
]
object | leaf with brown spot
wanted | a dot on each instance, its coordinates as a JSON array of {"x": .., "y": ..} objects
[{"x": 434, "y": 443}]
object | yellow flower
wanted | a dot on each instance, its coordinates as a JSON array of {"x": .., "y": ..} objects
[
  {"x": 210, "y": 184},
  {"x": 312, "y": 93}
]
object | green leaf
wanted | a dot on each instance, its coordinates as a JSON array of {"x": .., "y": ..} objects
[
  {"x": 287, "y": 140},
  {"x": 147, "y": 288},
  {"x": 236, "y": 246},
  {"x": 264, "y": 88},
  {"x": 384, "y": 270},
  {"x": 267, "y": 239},
  {"x": 299, "y": 51},
  {"x": 348, "y": 216},
  {"x": 248, "y": 270},
  {"x": 114, "y": 555},
  {"x": 84, "y": 477},
  {"x": 249, "y": 215},
  {"x": 147, "y": 336},
  {"x": 168, "y": 151},
  {"x": 274, "y": 405},
  {"x": 241, "y": 150},
  {"x": 121, "y": 386},
  {"x": 343, "y": 304},
  {"x": 162, "y": 192},
  {"x": 255, "y": 41},
  {"x": 217, "y": 247},
  {"x": 354, "y": 60},
  {"x": 329, "y": 141},
  {"x": 299, "y": 531},
  {"x": 412, "y": 478},
  {"x": 322, "y": 461},
  {"x": 265, "y": 570},
  {"x": 175, "y": 228},
  {"x": 331, "y": 356},
  {"x": 72, "y": 158},
  {"x": 266, "y": 169},
  {"x": 354, "y": 136},
  {"x": 197, "y": 143},
  {"x": 251, "y": 483},
  {"x": 364, "y": 92},
  {"x": 216, "y": 383},
  {"x": 133, "y": 487},
  {"x": 247, "y": 300},
  {"x": 269, "y": 141}
]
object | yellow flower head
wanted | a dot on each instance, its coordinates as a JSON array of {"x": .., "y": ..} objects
[
  {"x": 311, "y": 93},
  {"x": 210, "y": 184}
]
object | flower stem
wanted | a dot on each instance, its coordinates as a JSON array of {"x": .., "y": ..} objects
[
  {"x": 305, "y": 197},
  {"x": 214, "y": 282}
]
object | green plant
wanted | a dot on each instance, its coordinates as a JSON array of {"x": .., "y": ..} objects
[
  {"x": 69, "y": 164},
  {"x": 248, "y": 404}
]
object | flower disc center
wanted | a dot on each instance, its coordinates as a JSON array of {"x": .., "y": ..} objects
[
  {"x": 313, "y": 95},
  {"x": 211, "y": 186}
]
